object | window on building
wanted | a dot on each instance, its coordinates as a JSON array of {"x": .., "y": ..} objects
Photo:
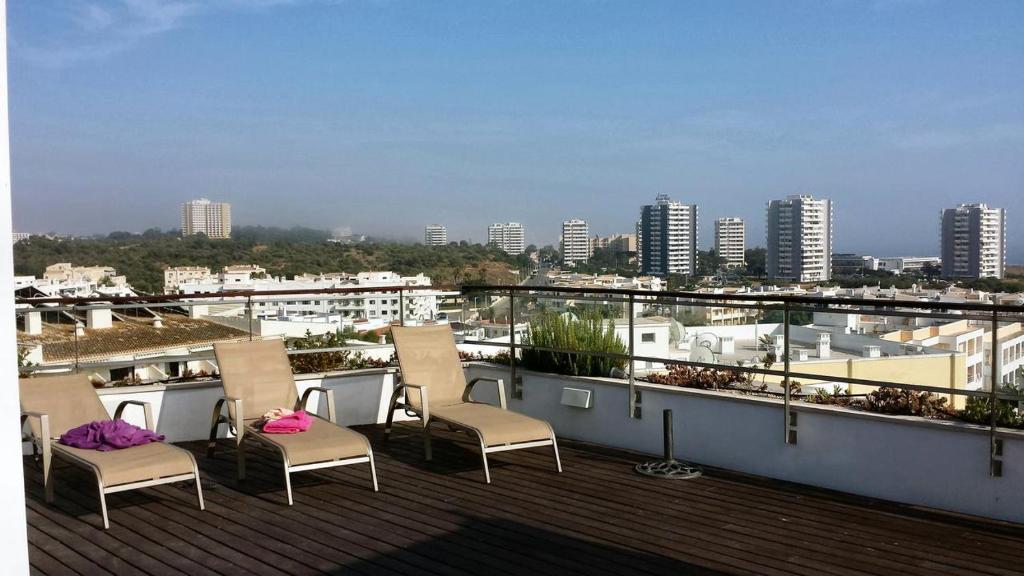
[{"x": 647, "y": 337}]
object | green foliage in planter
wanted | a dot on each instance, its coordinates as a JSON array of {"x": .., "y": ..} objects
[
  {"x": 496, "y": 358},
  {"x": 977, "y": 410},
  {"x": 588, "y": 332},
  {"x": 329, "y": 361},
  {"x": 836, "y": 397},
  {"x": 907, "y": 402}
]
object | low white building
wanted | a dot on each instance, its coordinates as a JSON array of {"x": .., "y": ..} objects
[{"x": 369, "y": 305}]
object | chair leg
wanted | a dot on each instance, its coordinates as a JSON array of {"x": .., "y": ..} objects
[
  {"x": 199, "y": 493},
  {"x": 288, "y": 484},
  {"x": 373, "y": 472},
  {"x": 48, "y": 476},
  {"x": 427, "y": 449},
  {"x": 483, "y": 456},
  {"x": 199, "y": 484},
  {"x": 558, "y": 461},
  {"x": 103, "y": 499},
  {"x": 214, "y": 422},
  {"x": 241, "y": 458},
  {"x": 391, "y": 413}
]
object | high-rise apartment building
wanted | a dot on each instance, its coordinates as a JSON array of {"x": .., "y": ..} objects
[
  {"x": 204, "y": 217},
  {"x": 575, "y": 242},
  {"x": 435, "y": 235},
  {"x": 730, "y": 241},
  {"x": 667, "y": 237},
  {"x": 800, "y": 239},
  {"x": 973, "y": 242},
  {"x": 509, "y": 237}
]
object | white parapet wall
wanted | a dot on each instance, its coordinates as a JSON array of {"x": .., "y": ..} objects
[
  {"x": 182, "y": 412},
  {"x": 938, "y": 464}
]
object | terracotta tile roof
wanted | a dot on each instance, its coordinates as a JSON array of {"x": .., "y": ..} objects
[{"x": 128, "y": 336}]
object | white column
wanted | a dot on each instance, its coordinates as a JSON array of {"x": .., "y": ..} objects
[{"x": 13, "y": 534}]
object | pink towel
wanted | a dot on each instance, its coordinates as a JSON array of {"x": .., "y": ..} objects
[{"x": 290, "y": 424}]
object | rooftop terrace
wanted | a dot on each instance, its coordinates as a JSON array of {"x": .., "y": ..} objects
[{"x": 598, "y": 517}]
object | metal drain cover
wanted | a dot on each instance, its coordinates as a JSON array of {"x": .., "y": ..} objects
[{"x": 669, "y": 469}]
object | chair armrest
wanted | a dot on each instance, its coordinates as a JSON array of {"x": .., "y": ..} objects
[
  {"x": 237, "y": 403},
  {"x": 331, "y": 414},
  {"x": 424, "y": 404},
  {"x": 44, "y": 426},
  {"x": 501, "y": 390},
  {"x": 147, "y": 411}
]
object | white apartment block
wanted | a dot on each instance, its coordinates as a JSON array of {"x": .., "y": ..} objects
[
  {"x": 667, "y": 238},
  {"x": 575, "y": 242},
  {"x": 66, "y": 280},
  {"x": 509, "y": 237},
  {"x": 730, "y": 241},
  {"x": 1011, "y": 354},
  {"x": 435, "y": 235},
  {"x": 175, "y": 276},
  {"x": 420, "y": 304},
  {"x": 973, "y": 242},
  {"x": 800, "y": 239},
  {"x": 204, "y": 217}
]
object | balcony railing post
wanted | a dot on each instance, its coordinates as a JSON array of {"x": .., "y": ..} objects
[
  {"x": 401, "y": 307},
  {"x": 74, "y": 318},
  {"x": 790, "y": 432},
  {"x": 634, "y": 405},
  {"x": 995, "y": 467},
  {"x": 517, "y": 387},
  {"x": 248, "y": 312}
]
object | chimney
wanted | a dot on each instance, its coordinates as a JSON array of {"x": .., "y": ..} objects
[
  {"x": 98, "y": 318},
  {"x": 158, "y": 322},
  {"x": 824, "y": 346},
  {"x": 872, "y": 352},
  {"x": 34, "y": 323},
  {"x": 727, "y": 345}
]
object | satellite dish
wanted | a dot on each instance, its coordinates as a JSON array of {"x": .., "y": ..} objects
[
  {"x": 707, "y": 339},
  {"x": 702, "y": 353}
]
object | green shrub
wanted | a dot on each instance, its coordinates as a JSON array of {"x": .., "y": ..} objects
[
  {"x": 977, "y": 410},
  {"x": 587, "y": 333}
]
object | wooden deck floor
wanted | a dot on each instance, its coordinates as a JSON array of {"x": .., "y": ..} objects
[{"x": 597, "y": 518}]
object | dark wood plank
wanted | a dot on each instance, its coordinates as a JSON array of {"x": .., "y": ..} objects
[
  {"x": 440, "y": 519},
  {"x": 45, "y": 565}
]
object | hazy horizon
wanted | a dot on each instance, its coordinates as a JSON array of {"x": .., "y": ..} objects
[{"x": 387, "y": 115}]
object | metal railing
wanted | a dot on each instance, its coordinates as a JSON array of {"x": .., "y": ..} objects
[
  {"x": 982, "y": 313},
  {"x": 633, "y": 302},
  {"x": 74, "y": 307}
]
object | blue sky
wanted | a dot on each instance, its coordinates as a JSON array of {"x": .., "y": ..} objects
[{"x": 391, "y": 114}]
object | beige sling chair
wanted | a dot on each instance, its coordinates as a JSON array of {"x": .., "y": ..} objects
[
  {"x": 257, "y": 378},
  {"x": 435, "y": 389},
  {"x": 55, "y": 404}
]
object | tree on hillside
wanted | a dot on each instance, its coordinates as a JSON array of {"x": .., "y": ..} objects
[{"x": 756, "y": 261}]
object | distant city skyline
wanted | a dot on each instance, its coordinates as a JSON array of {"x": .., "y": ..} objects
[{"x": 525, "y": 112}]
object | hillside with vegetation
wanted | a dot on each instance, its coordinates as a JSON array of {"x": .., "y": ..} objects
[{"x": 143, "y": 257}]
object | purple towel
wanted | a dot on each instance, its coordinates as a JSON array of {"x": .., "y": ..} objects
[{"x": 108, "y": 435}]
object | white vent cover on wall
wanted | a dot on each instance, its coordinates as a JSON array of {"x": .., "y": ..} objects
[{"x": 577, "y": 397}]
